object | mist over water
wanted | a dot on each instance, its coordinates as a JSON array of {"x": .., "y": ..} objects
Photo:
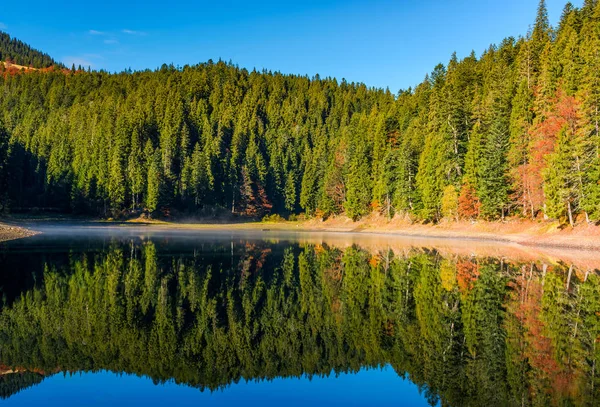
[{"x": 226, "y": 317}]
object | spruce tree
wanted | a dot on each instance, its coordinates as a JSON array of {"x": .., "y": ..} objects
[
  {"x": 561, "y": 179},
  {"x": 521, "y": 120},
  {"x": 493, "y": 182},
  {"x": 155, "y": 182}
]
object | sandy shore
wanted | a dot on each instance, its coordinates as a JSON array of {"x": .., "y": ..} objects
[
  {"x": 520, "y": 232},
  {"x": 524, "y": 233}
]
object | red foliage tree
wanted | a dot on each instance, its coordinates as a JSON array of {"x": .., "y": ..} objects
[
  {"x": 525, "y": 303},
  {"x": 544, "y": 134},
  {"x": 468, "y": 202},
  {"x": 467, "y": 272}
]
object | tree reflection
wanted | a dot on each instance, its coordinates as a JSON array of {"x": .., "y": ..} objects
[{"x": 468, "y": 331}]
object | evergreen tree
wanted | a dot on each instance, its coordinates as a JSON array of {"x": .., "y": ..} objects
[
  {"x": 521, "y": 120},
  {"x": 155, "y": 180},
  {"x": 359, "y": 181},
  {"x": 561, "y": 178},
  {"x": 493, "y": 185}
]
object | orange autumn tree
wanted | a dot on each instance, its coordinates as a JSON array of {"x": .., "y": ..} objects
[
  {"x": 564, "y": 173},
  {"x": 468, "y": 202},
  {"x": 467, "y": 272},
  {"x": 562, "y": 111}
]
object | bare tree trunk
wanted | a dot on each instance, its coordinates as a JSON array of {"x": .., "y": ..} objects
[
  {"x": 570, "y": 212},
  {"x": 388, "y": 204},
  {"x": 544, "y": 271},
  {"x": 233, "y": 202}
]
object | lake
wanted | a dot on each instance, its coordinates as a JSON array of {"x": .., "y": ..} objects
[{"x": 101, "y": 315}]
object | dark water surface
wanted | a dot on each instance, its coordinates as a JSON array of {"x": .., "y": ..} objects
[{"x": 95, "y": 316}]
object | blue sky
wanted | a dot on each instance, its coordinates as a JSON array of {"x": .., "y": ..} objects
[
  {"x": 383, "y": 43},
  {"x": 368, "y": 387}
]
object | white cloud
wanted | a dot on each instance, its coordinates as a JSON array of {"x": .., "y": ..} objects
[
  {"x": 3, "y": 26},
  {"x": 111, "y": 41},
  {"x": 132, "y": 32},
  {"x": 95, "y": 32}
]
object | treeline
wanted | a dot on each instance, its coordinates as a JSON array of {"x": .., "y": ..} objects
[
  {"x": 468, "y": 331},
  {"x": 17, "y": 52},
  {"x": 513, "y": 132},
  {"x": 13, "y": 383}
]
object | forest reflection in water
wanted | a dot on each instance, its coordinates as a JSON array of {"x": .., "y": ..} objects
[{"x": 468, "y": 327}]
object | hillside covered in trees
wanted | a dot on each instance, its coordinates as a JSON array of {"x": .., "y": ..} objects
[
  {"x": 14, "y": 51},
  {"x": 514, "y": 132}
]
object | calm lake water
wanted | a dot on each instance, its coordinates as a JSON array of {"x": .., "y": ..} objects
[{"x": 96, "y": 316}]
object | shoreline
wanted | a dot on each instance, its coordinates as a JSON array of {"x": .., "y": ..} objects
[
  {"x": 524, "y": 233},
  {"x": 520, "y": 232},
  {"x": 512, "y": 242}
]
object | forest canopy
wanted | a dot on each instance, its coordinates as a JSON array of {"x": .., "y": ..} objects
[{"x": 513, "y": 132}]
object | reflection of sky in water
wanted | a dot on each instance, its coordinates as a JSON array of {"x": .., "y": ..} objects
[{"x": 367, "y": 387}]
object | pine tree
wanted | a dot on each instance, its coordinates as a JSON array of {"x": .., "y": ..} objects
[
  {"x": 290, "y": 191},
  {"x": 136, "y": 167},
  {"x": 200, "y": 181},
  {"x": 359, "y": 181},
  {"x": 541, "y": 35},
  {"x": 436, "y": 167},
  {"x": 561, "y": 179},
  {"x": 469, "y": 205},
  {"x": 521, "y": 120},
  {"x": 358, "y": 186},
  {"x": 116, "y": 185},
  {"x": 493, "y": 185},
  {"x": 155, "y": 182},
  {"x": 313, "y": 173}
]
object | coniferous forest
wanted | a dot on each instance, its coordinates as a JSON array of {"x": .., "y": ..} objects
[
  {"x": 16, "y": 52},
  {"x": 512, "y": 132}
]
